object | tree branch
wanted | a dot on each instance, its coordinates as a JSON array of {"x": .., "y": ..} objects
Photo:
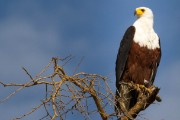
[
  {"x": 146, "y": 96},
  {"x": 67, "y": 94}
]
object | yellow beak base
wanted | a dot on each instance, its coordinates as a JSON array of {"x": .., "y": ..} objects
[{"x": 138, "y": 12}]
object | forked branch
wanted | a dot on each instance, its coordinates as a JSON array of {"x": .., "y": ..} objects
[{"x": 74, "y": 93}]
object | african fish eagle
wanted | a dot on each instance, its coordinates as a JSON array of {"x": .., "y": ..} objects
[{"x": 138, "y": 58}]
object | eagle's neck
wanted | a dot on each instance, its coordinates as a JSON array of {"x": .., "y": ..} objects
[
  {"x": 148, "y": 21},
  {"x": 144, "y": 34}
]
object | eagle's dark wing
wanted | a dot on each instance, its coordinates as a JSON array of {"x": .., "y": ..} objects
[
  {"x": 123, "y": 52},
  {"x": 154, "y": 70}
]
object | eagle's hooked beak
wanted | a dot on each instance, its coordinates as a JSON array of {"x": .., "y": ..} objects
[{"x": 139, "y": 12}]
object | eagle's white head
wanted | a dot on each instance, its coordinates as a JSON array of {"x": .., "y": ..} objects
[
  {"x": 145, "y": 35},
  {"x": 143, "y": 12}
]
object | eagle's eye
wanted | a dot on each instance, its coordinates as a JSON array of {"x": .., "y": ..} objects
[{"x": 142, "y": 10}]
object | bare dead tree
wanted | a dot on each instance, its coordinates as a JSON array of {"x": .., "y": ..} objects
[{"x": 65, "y": 94}]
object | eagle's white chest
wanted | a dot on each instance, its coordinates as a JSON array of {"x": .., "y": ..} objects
[{"x": 145, "y": 35}]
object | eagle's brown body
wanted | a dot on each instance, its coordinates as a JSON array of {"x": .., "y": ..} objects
[{"x": 141, "y": 64}]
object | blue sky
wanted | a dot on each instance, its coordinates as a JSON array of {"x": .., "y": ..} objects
[{"x": 33, "y": 31}]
